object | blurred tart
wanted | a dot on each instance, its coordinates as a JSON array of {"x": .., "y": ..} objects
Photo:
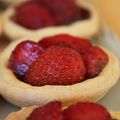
[
  {"x": 65, "y": 72},
  {"x": 54, "y": 111},
  {"x": 86, "y": 25}
]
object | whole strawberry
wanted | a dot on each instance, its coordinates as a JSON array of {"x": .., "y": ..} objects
[
  {"x": 95, "y": 59},
  {"x": 86, "y": 111},
  {"x": 65, "y": 40},
  {"x": 33, "y": 16},
  {"x": 23, "y": 55},
  {"x": 50, "y": 111},
  {"x": 56, "y": 66}
]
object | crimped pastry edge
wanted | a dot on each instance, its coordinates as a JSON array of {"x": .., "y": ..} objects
[
  {"x": 88, "y": 27},
  {"x": 22, "y": 94},
  {"x": 25, "y": 112}
]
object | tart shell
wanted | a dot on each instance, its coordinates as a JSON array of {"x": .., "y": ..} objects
[
  {"x": 25, "y": 112},
  {"x": 85, "y": 28},
  {"x": 23, "y": 94}
]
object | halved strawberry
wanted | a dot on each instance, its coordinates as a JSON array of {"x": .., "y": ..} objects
[
  {"x": 95, "y": 59},
  {"x": 48, "y": 42},
  {"x": 65, "y": 40},
  {"x": 33, "y": 16},
  {"x": 86, "y": 111},
  {"x": 58, "y": 65},
  {"x": 23, "y": 55},
  {"x": 50, "y": 111}
]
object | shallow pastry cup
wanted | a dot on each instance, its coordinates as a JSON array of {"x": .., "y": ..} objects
[
  {"x": 23, "y": 94},
  {"x": 25, "y": 112},
  {"x": 88, "y": 27}
]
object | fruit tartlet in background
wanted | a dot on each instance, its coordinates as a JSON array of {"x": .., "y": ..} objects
[
  {"x": 55, "y": 111},
  {"x": 50, "y": 17},
  {"x": 61, "y": 67}
]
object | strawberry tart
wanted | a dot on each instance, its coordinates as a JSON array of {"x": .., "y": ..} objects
[
  {"x": 61, "y": 67},
  {"x": 55, "y": 111},
  {"x": 50, "y": 17}
]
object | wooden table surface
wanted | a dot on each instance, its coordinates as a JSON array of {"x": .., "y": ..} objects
[{"x": 109, "y": 11}]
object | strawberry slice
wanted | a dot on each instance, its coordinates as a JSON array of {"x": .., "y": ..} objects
[
  {"x": 23, "y": 55},
  {"x": 65, "y": 40},
  {"x": 50, "y": 111},
  {"x": 58, "y": 65},
  {"x": 86, "y": 111},
  {"x": 33, "y": 16},
  {"x": 48, "y": 42},
  {"x": 95, "y": 59}
]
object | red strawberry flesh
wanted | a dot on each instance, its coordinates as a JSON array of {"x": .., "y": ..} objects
[
  {"x": 64, "y": 39},
  {"x": 50, "y": 111},
  {"x": 79, "y": 111},
  {"x": 56, "y": 66},
  {"x": 23, "y": 55},
  {"x": 52, "y": 60},
  {"x": 65, "y": 11},
  {"x": 32, "y": 16},
  {"x": 86, "y": 111},
  {"x": 48, "y": 42},
  {"x": 47, "y": 13},
  {"x": 95, "y": 59}
]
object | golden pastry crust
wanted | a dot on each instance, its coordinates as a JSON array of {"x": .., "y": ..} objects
[
  {"x": 25, "y": 112},
  {"x": 88, "y": 27},
  {"x": 22, "y": 94}
]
